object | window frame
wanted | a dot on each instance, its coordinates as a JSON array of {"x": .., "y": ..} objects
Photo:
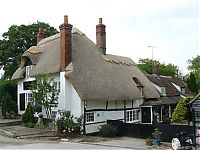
[
  {"x": 28, "y": 69},
  {"x": 29, "y": 98},
  {"x": 89, "y": 117},
  {"x": 133, "y": 115}
]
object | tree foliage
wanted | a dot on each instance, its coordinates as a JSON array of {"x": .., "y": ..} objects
[
  {"x": 146, "y": 66},
  {"x": 45, "y": 93},
  {"x": 16, "y": 41},
  {"x": 194, "y": 64},
  {"x": 8, "y": 87},
  {"x": 194, "y": 67},
  {"x": 192, "y": 84},
  {"x": 180, "y": 113},
  {"x": 28, "y": 115},
  {"x": 8, "y": 106}
]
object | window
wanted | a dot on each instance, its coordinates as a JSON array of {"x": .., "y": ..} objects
[
  {"x": 53, "y": 114},
  {"x": 89, "y": 117},
  {"x": 139, "y": 85},
  {"x": 57, "y": 85},
  {"x": 28, "y": 85},
  {"x": 183, "y": 90},
  {"x": 132, "y": 115},
  {"x": 28, "y": 68},
  {"x": 29, "y": 97},
  {"x": 163, "y": 92}
]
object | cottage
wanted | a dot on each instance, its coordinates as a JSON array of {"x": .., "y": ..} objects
[
  {"x": 171, "y": 90},
  {"x": 92, "y": 83}
]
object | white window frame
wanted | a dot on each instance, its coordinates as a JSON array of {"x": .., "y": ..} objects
[
  {"x": 29, "y": 97},
  {"x": 89, "y": 117},
  {"x": 28, "y": 68},
  {"x": 183, "y": 90},
  {"x": 57, "y": 85},
  {"x": 133, "y": 115},
  {"x": 54, "y": 114},
  {"x": 163, "y": 91}
]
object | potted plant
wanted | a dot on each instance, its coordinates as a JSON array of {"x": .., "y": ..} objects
[
  {"x": 156, "y": 136},
  {"x": 149, "y": 141}
]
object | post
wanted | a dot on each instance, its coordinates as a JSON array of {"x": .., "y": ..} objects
[
  {"x": 151, "y": 114},
  {"x": 124, "y": 111},
  {"x": 84, "y": 117}
]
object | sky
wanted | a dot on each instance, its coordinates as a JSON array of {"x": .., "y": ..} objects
[{"x": 169, "y": 26}]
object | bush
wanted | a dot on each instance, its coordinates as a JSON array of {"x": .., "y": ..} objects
[
  {"x": 30, "y": 125},
  {"x": 8, "y": 106},
  {"x": 180, "y": 113},
  {"x": 40, "y": 125},
  {"x": 68, "y": 123},
  {"x": 28, "y": 116},
  {"x": 107, "y": 130},
  {"x": 8, "y": 87}
]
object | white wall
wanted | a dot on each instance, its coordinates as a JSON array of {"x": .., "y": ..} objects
[
  {"x": 103, "y": 116},
  {"x": 69, "y": 99}
]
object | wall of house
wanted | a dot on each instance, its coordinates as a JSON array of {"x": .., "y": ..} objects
[
  {"x": 69, "y": 99},
  {"x": 101, "y": 116}
]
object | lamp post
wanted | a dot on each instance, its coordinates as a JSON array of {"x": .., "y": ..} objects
[{"x": 152, "y": 47}]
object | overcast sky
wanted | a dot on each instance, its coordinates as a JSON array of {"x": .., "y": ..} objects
[{"x": 131, "y": 25}]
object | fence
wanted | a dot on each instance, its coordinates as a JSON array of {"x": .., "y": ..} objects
[{"x": 145, "y": 130}]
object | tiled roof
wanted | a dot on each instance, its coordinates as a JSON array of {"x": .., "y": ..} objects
[{"x": 166, "y": 81}]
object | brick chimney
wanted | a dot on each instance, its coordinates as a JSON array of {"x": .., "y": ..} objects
[
  {"x": 101, "y": 36},
  {"x": 65, "y": 44},
  {"x": 41, "y": 34}
]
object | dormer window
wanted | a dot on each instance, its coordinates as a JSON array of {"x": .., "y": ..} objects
[
  {"x": 183, "y": 90},
  {"x": 163, "y": 91},
  {"x": 28, "y": 67},
  {"x": 139, "y": 85}
]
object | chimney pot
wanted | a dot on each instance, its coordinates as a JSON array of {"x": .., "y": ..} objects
[
  {"x": 100, "y": 21},
  {"x": 41, "y": 34},
  {"x": 65, "y": 19}
]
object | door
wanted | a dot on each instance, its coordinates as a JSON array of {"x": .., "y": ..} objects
[
  {"x": 146, "y": 114},
  {"x": 22, "y": 102}
]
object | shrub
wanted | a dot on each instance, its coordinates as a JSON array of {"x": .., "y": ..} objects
[
  {"x": 8, "y": 106},
  {"x": 40, "y": 125},
  {"x": 107, "y": 130},
  {"x": 68, "y": 123},
  {"x": 180, "y": 113},
  {"x": 28, "y": 116},
  {"x": 8, "y": 87}
]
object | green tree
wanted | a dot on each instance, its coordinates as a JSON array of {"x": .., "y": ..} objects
[
  {"x": 17, "y": 40},
  {"x": 45, "y": 93},
  {"x": 194, "y": 66},
  {"x": 8, "y": 105},
  {"x": 8, "y": 87},
  {"x": 180, "y": 113},
  {"x": 28, "y": 115},
  {"x": 146, "y": 66},
  {"x": 192, "y": 85}
]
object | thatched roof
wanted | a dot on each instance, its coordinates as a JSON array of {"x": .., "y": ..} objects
[{"x": 94, "y": 76}]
